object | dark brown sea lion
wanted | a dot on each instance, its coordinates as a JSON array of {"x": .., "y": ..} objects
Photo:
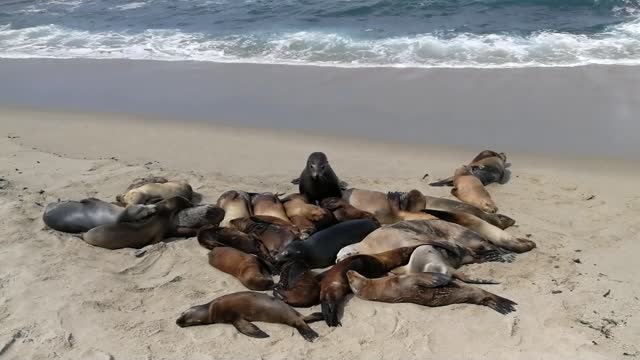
[
  {"x": 138, "y": 234},
  {"x": 298, "y": 285},
  {"x": 428, "y": 289},
  {"x": 249, "y": 269},
  {"x": 320, "y": 249},
  {"x": 275, "y": 237},
  {"x": 240, "y": 309},
  {"x": 318, "y": 181},
  {"x": 268, "y": 204},
  {"x": 308, "y": 218},
  {"x": 212, "y": 236},
  {"x": 236, "y": 204},
  {"x": 334, "y": 285},
  {"x": 469, "y": 189},
  {"x": 488, "y": 166},
  {"x": 153, "y": 192},
  {"x": 343, "y": 211},
  {"x": 378, "y": 204}
]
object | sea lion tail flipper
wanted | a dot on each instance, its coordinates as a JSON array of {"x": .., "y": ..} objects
[
  {"x": 443, "y": 182},
  {"x": 330, "y": 312},
  {"x": 497, "y": 255},
  {"x": 500, "y": 304},
  {"x": 316, "y": 316},
  {"x": 296, "y": 181},
  {"x": 249, "y": 329},
  {"x": 433, "y": 279},
  {"x": 307, "y": 332},
  {"x": 469, "y": 280}
]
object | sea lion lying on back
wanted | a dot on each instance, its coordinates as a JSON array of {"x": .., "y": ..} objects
[
  {"x": 236, "y": 204},
  {"x": 488, "y": 166},
  {"x": 378, "y": 204},
  {"x": 318, "y": 181},
  {"x": 153, "y": 192},
  {"x": 240, "y": 309},
  {"x": 469, "y": 189},
  {"x": 428, "y": 289}
]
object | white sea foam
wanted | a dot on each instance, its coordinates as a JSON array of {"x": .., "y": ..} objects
[{"x": 617, "y": 45}]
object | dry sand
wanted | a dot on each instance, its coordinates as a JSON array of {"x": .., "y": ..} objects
[{"x": 577, "y": 293}]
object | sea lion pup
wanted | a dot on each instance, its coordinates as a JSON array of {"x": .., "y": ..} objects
[
  {"x": 153, "y": 192},
  {"x": 308, "y": 218},
  {"x": 320, "y": 249},
  {"x": 138, "y": 234},
  {"x": 298, "y": 285},
  {"x": 84, "y": 215},
  {"x": 235, "y": 204},
  {"x": 318, "y": 181},
  {"x": 470, "y": 246},
  {"x": 428, "y": 289},
  {"x": 275, "y": 237},
  {"x": 343, "y": 211},
  {"x": 488, "y": 166},
  {"x": 431, "y": 258},
  {"x": 494, "y": 234},
  {"x": 241, "y": 308},
  {"x": 378, "y": 204},
  {"x": 334, "y": 285},
  {"x": 253, "y": 272},
  {"x": 268, "y": 204},
  {"x": 188, "y": 221},
  {"x": 469, "y": 189}
]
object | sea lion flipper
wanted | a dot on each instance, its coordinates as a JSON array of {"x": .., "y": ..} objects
[
  {"x": 469, "y": 280},
  {"x": 296, "y": 181},
  {"x": 316, "y": 316},
  {"x": 433, "y": 279},
  {"x": 249, "y": 329},
  {"x": 444, "y": 182},
  {"x": 307, "y": 332}
]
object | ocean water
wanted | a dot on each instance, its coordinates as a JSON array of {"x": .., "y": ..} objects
[{"x": 352, "y": 33}]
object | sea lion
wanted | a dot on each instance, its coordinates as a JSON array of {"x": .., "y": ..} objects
[
  {"x": 138, "y": 182},
  {"x": 268, "y": 204},
  {"x": 470, "y": 246},
  {"x": 240, "y": 309},
  {"x": 274, "y": 236},
  {"x": 378, "y": 204},
  {"x": 343, "y": 211},
  {"x": 308, "y": 218},
  {"x": 235, "y": 204},
  {"x": 84, "y": 215},
  {"x": 334, "y": 285},
  {"x": 188, "y": 221},
  {"x": 320, "y": 249},
  {"x": 138, "y": 234},
  {"x": 469, "y": 189},
  {"x": 488, "y": 166},
  {"x": 298, "y": 285},
  {"x": 212, "y": 236},
  {"x": 153, "y": 192},
  {"x": 428, "y": 289},
  {"x": 252, "y": 271},
  {"x": 318, "y": 181}
]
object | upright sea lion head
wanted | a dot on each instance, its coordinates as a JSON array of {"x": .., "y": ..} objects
[
  {"x": 294, "y": 250},
  {"x": 197, "y": 315},
  {"x": 317, "y": 163}
]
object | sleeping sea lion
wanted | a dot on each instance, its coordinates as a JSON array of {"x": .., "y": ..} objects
[
  {"x": 236, "y": 204},
  {"x": 469, "y": 189},
  {"x": 252, "y": 272},
  {"x": 378, "y": 204},
  {"x": 136, "y": 183},
  {"x": 488, "y": 166},
  {"x": 343, "y": 211},
  {"x": 428, "y": 289},
  {"x": 298, "y": 285},
  {"x": 334, "y": 285},
  {"x": 212, "y": 236},
  {"x": 138, "y": 234},
  {"x": 320, "y": 249},
  {"x": 308, "y": 218},
  {"x": 268, "y": 204},
  {"x": 274, "y": 236},
  {"x": 318, "y": 181},
  {"x": 153, "y": 192},
  {"x": 240, "y": 309}
]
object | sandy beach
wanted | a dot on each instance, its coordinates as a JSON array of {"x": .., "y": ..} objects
[{"x": 577, "y": 292}]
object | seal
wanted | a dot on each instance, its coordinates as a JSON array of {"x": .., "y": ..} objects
[
  {"x": 298, "y": 285},
  {"x": 308, "y": 218},
  {"x": 470, "y": 246},
  {"x": 318, "y": 181},
  {"x": 252, "y": 272},
  {"x": 212, "y": 236},
  {"x": 488, "y": 166},
  {"x": 469, "y": 189},
  {"x": 240, "y": 309},
  {"x": 153, "y": 192},
  {"x": 268, "y": 204},
  {"x": 343, "y": 211},
  {"x": 274, "y": 236},
  {"x": 84, "y": 215},
  {"x": 235, "y": 204},
  {"x": 139, "y": 234},
  {"x": 427, "y": 289},
  {"x": 321, "y": 248},
  {"x": 378, "y": 204},
  {"x": 334, "y": 285}
]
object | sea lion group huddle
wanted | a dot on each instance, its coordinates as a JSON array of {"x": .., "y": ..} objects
[{"x": 393, "y": 247}]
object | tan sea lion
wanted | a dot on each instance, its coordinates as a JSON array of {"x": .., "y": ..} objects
[
  {"x": 428, "y": 289},
  {"x": 136, "y": 183},
  {"x": 138, "y": 234},
  {"x": 378, "y": 204},
  {"x": 305, "y": 216},
  {"x": 469, "y": 189},
  {"x": 268, "y": 204},
  {"x": 343, "y": 211},
  {"x": 236, "y": 204},
  {"x": 252, "y": 272},
  {"x": 240, "y": 309},
  {"x": 488, "y": 166},
  {"x": 298, "y": 285},
  {"x": 334, "y": 285},
  {"x": 153, "y": 192}
]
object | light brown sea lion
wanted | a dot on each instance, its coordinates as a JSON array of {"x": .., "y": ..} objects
[
  {"x": 268, "y": 204},
  {"x": 378, "y": 204},
  {"x": 138, "y": 234},
  {"x": 275, "y": 237},
  {"x": 153, "y": 192},
  {"x": 343, "y": 211},
  {"x": 136, "y": 183},
  {"x": 428, "y": 289},
  {"x": 470, "y": 246},
  {"x": 236, "y": 204},
  {"x": 334, "y": 286},
  {"x": 212, "y": 236},
  {"x": 488, "y": 166},
  {"x": 298, "y": 285},
  {"x": 308, "y": 218},
  {"x": 249, "y": 269},
  {"x": 240, "y": 309},
  {"x": 469, "y": 189}
]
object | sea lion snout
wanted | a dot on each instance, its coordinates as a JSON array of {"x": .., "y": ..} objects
[{"x": 197, "y": 315}]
